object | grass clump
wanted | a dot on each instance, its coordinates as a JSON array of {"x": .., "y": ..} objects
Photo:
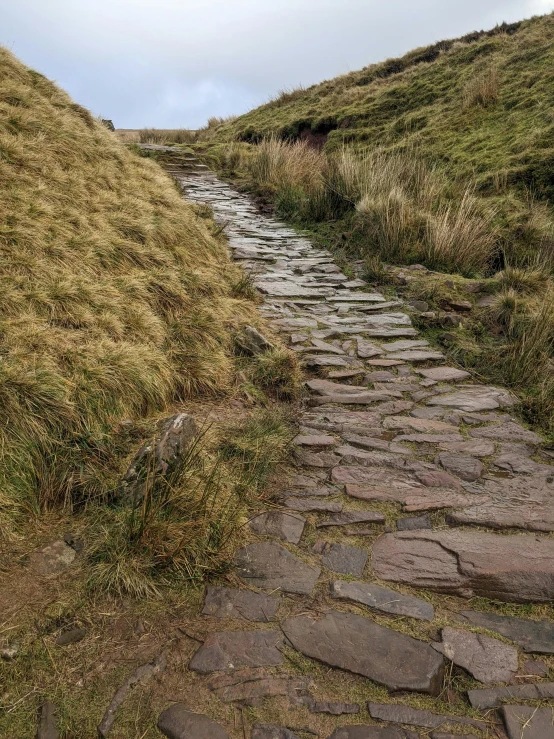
[
  {"x": 115, "y": 298},
  {"x": 166, "y": 136}
]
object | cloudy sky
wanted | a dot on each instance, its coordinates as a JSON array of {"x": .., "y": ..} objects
[{"x": 174, "y": 63}]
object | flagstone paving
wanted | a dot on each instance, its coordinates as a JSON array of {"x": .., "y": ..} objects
[{"x": 387, "y": 426}]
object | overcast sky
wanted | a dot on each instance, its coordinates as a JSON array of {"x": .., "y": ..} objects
[{"x": 174, "y": 63}]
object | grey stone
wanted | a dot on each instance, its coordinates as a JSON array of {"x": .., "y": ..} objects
[
  {"x": 509, "y": 431},
  {"x": 421, "y": 425},
  {"x": 372, "y": 732},
  {"x": 331, "y": 361},
  {"x": 159, "y": 457},
  {"x": 48, "y": 723},
  {"x": 416, "y": 355},
  {"x": 355, "y": 644},
  {"x": 367, "y": 397},
  {"x": 486, "y": 698},
  {"x": 487, "y": 659},
  {"x": 325, "y": 387},
  {"x": 282, "y": 524},
  {"x": 348, "y": 518},
  {"x": 531, "y": 636},
  {"x": 177, "y": 722},
  {"x": 474, "y": 398},
  {"x": 270, "y": 566},
  {"x": 317, "y": 440},
  {"x": 52, "y": 559},
  {"x": 252, "y": 342},
  {"x": 475, "y": 447},
  {"x": 222, "y": 602},
  {"x": 251, "y": 684},
  {"x": 413, "y": 523},
  {"x": 323, "y": 346},
  {"x": 516, "y": 568},
  {"x": 267, "y": 731},
  {"x": 316, "y": 459},
  {"x": 416, "y": 717},
  {"x": 383, "y": 599},
  {"x": 345, "y": 559},
  {"x": 400, "y": 346},
  {"x": 229, "y": 650},
  {"x": 370, "y": 442},
  {"x": 462, "y": 465},
  {"x": 366, "y": 349},
  {"x": 528, "y": 722},
  {"x": 332, "y": 708}
]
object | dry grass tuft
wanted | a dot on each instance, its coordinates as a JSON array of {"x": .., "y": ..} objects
[
  {"x": 115, "y": 299},
  {"x": 166, "y": 136},
  {"x": 483, "y": 90}
]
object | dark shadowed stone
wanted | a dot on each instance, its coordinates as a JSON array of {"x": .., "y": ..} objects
[
  {"x": 345, "y": 559},
  {"x": 495, "y": 697},
  {"x": 317, "y": 505},
  {"x": 348, "y": 518},
  {"x": 270, "y": 566},
  {"x": 463, "y": 466},
  {"x": 266, "y": 731},
  {"x": 52, "y": 559},
  {"x": 532, "y": 668},
  {"x": 158, "y": 457},
  {"x": 251, "y": 341},
  {"x": 413, "y": 523},
  {"x": 416, "y": 717},
  {"x": 372, "y": 732},
  {"x": 72, "y": 636},
  {"x": 528, "y": 722},
  {"x": 48, "y": 723},
  {"x": 518, "y": 568},
  {"x": 531, "y": 636},
  {"x": 250, "y": 685},
  {"x": 282, "y": 524},
  {"x": 383, "y": 599},
  {"x": 224, "y": 602},
  {"x": 358, "y": 645},
  {"x": 176, "y": 722},
  {"x": 228, "y": 650},
  {"x": 509, "y": 431},
  {"x": 523, "y": 503},
  {"x": 487, "y": 659}
]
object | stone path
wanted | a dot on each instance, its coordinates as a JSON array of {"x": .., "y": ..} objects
[{"x": 388, "y": 429}]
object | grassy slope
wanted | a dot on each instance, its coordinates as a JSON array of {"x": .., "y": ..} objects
[
  {"x": 412, "y": 101},
  {"x": 115, "y": 299}
]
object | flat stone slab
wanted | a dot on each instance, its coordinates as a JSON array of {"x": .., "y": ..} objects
[
  {"x": 474, "y": 447},
  {"x": 421, "y": 425},
  {"x": 372, "y": 732},
  {"x": 416, "y": 355},
  {"x": 331, "y": 361},
  {"x": 270, "y": 731},
  {"x": 462, "y": 465},
  {"x": 509, "y": 431},
  {"x": 366, "y": 397},
  {"x": 487, "y": 659},
  {"x": 316, "y": 505},
  {"x": 325, "y": 387},
  {"x": 531, "y": 636},
  {"x": 366, "y": 349},
  {"x": 400, "y": 346},
  {"x": 528, "y": 722},
  {"x": 414, "y": 523},
  {"x": 400, "y": 714},
  {"x": 523, "y": 503},
  {"x": 251, "y": 684},
  {"x": 414, "y": 497},
  {"x": 229, "y": 650},
  {"x": 516, "y": 568},
  {"x": 281, "y": 524},
  {"x": 177, "y": 722},
  {"x": 383, "y": 599},
  {"x": 333, "y": 708},
  {"x": 494, "y": 697},
  {"x": 358, "y": 645},
  {"x": 269, "y": 566},
  {"x": 474, "y": 398},
  {"x": 222, "y": 602},
  {"x": 345, "y": 559},
  {"x": 314, "y": 440},
  {"x": 444, "y": 374},
  {"x": 316, "y": 459},
  {"x": 349, "y": 518}
]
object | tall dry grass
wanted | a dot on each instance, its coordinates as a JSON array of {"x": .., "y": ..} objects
[
  {"x": 166, "y": 136},
  {"x": 113, "y": 295},
  {"x": 482, "y": 90}
]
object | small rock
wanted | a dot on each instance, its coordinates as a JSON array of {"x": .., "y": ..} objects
[
  {"x": 419, "y": 305},
  {"x": 372, "y": 732},
  {"x": 266, "y": 731},
  {"x": 413, "y": 523},
  {"x": 282, "y": 524},
  {"x": 444, "y": 374},
  {"x": 313, "y": 440},
  {"x": 487, "y": 659},
  {"x": 228, "y": 650},
  {"x": 449, "y": 320},
  {"x": 345, "y": 559},
  {"x": 347, "y": 518},
  {"x": 486, "y": 698},
  {"x": 366, "y": 349},
  {"x": 270, "y": 566},
  {"x": 400, "y": 714},
  {"x": 533, "y": 668},
  {"x": 48, "y": 725},
  {"x": 528, "y": 722},
  {"x": 52, "y": 559},
  {"x": 460, "y": 305},
  {"x": 177, "y": 722},
  {"x": 252, "y": 684},
  {"x": 334, "y": 709},
  {"x": 72, "y": 636},
  {"x": 224, "y": 602},
  {"x": 10, "y": 652}
]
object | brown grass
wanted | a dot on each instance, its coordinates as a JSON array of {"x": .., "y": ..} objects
[
  {"x": 482, "y": 90},
  {"x": 115, "y": 299},
  {"x": 166, "y": 136}
]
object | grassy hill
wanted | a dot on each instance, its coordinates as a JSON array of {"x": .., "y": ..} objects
[
  {"x": 480, "y": 105},
  {"x": 115, "y": 297}
]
